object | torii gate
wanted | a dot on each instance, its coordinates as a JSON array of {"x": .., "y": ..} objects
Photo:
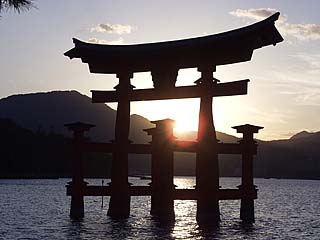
[{"x": 164, "y": 59}]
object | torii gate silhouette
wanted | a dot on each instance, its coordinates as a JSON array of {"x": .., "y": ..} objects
[{"x": 164, "y": 59}]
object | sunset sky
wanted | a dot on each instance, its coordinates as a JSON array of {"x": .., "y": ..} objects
[{"x": 284, "y": 91}]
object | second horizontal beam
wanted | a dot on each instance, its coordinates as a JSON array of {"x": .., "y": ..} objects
[
  {"x": 178, "y": 146},
  {"x": 179, "y": 194}
]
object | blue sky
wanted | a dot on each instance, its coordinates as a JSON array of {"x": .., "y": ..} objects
[{"x": 284, "y": 92}]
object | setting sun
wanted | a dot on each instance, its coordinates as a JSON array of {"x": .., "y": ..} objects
[
  {"x": 184, "y": 112},
  {"x": 187, "y": 124}
]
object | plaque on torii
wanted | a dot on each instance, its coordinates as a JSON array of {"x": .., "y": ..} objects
[{"x": 163, "y": 60}]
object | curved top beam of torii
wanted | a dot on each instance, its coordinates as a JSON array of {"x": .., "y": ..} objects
[{"x": 208, "y": 51}]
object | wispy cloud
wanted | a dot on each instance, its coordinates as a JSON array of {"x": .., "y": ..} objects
[
  {"x": 118, "y": 41},
  {"x": 256, "y": 14},
  {"x": 271, "y": 116},
  {"x": 312, "y": 60},
  {"x": 112, "y": 28},
  {"x": 299, "y": 88},
  {"x": 305, "y": 97},
  {"x": 300, "y": 31}
]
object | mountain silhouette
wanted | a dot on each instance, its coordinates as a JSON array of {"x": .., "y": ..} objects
[
  {"x": 303, "y": 134},
  {"x": 50, "y": 111},
  {"x": 38, "y": 117},
  {"x": 297, "y": 157}
]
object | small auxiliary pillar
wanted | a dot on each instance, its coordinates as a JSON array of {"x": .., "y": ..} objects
[
  {"x": 248, "y": 189},
  {"x": 162, "y": 186},
  {"x": 77, "y": 184}
]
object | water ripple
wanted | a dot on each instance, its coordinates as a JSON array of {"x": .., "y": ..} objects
[{"x": 39, "y": 209}]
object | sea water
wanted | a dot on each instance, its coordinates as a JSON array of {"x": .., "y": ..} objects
[{"x": 39, "y": 209}]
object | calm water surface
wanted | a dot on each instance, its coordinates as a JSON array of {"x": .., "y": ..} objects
[{"x": 39, "y": 209}]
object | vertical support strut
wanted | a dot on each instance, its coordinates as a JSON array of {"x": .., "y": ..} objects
[
  {"x": 119, "y": 205},
  {"x": 207, "y": 166},
  {"x": 77, "y": 184},
  {"x": 162, "y": 199},
  {"x": 164, "y": 77},
  {"x": 248, "y": 189}
]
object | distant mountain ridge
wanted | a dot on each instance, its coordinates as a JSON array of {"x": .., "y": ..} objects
[
  {"x": 50, "y": 111},
  {"x": 297, "y": 157},
  {"x": 304, "y": 134}
]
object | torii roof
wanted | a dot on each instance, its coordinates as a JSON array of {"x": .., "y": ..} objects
[
  {"x": 208, "y": 51},
  {"x": 247, "y": 128}
]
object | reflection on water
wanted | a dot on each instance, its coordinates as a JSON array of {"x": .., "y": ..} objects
[
  {"x": 185, "y": 227},
  {"x": 184, "y": 182},
  {"x": 39, "y": 209}
]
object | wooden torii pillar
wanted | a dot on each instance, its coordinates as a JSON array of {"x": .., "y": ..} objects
[
  {"x": 207, "y": 165},
  {"x": 77, "y": 184},
  {"x": 119, "y": 205},
  {"x": 162, "y": 186},
  {"x": 248, "y": 189}
]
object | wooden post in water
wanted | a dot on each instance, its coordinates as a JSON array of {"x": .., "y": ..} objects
[
  {"x": 248, "y": 189},
  {"x": 162, "y": 199},
  {"x": 77, "y": 184},
  {"x": 207, "y": 166},
  {"x": 119, "y": 205}
]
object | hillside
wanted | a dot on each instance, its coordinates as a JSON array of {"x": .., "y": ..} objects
[
  {"x": 50, "y": 111},
  {"x": 42, "y": 116},
  {"x": 297, "y": 157}
]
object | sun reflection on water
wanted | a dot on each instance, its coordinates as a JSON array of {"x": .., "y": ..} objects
[
  {"x": 185, "y": 211},
  {"x": 184, "y": 182},
  {"x": 185, "y": 225}
]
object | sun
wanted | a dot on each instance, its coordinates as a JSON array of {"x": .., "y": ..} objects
[
  {"x": 184, "y": 111},
  {"x": 186, "y": 124},
  {"x": 186, "y": 115}
]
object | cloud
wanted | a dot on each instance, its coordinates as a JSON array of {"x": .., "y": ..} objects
[
  {"x": 312, "y": 60},
  {"x": 305, "y": 97},
  {"x": 300, "y": 31},
  {"x": 257, "y": 14},
  {"x": 271, "y": 116},
  {"x": 102, "y": 41},
  {"x": 112, "y": 28},
  {"x": 297, "y": 87}
]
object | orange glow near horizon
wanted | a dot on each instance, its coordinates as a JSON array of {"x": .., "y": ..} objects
[{"x": 185, "y": 112}]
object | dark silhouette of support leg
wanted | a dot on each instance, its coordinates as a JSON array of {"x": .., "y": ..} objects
[
  {"x": 155, "y": 205},
  {"x": 247, "y": 188},
  {"x": 208, "y": 212},
  {"x": 77, "y": 184},
  {"x": 166, "y": 187},
  {"x": 247, "y": 210},
  {"x": 207, "y": 165},
  {"x": 77, "y": 207},
  {"x": 77, "y": 201},
  {"x": 162, "y": 200},
  {"x": 119, "y": 205}
]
